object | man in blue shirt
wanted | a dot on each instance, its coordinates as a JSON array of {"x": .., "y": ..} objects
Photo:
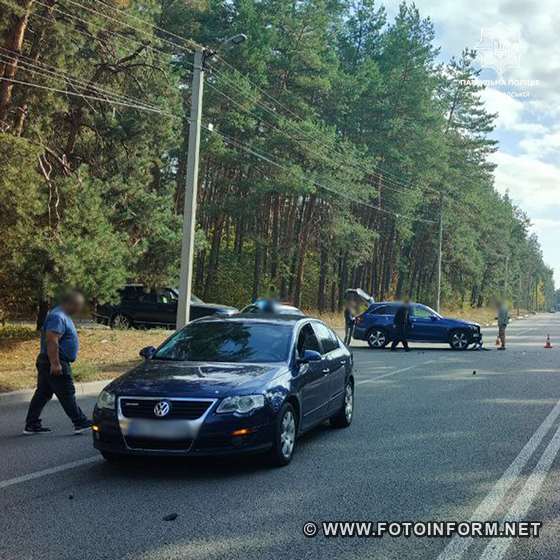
[{"x": 59, "y": 348}]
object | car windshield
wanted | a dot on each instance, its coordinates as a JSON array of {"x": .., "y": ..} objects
[
  {"x": 194, "y": 299},
  {"x": 432, "y": 312},
  {"x": 231, "y": 341}
]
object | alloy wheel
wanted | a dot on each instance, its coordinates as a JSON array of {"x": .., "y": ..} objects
[
  {"x": 377, "y": 339},
  {"x": 459, "y": 340},
  {"x": 287, "y": 434},
  {"x": 121, "y": 322},
  {"x": 348, "y": 402}
]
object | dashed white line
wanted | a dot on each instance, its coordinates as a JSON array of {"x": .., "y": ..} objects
[
  {"x": 459, "y": 545},
  {"x": 46, "y": 472},
  {"x": 394, "y": 372},
  {"x": 497, "y": 548}
]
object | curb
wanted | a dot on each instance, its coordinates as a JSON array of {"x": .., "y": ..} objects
[{"x": 91, "y": 388}]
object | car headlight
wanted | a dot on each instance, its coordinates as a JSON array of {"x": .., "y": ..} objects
[
  {"x": 241, "y": 404},
  {"x": 106, "y": 400}
]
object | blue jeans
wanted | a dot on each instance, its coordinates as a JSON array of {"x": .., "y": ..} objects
[{"x": 48, "y": 385}]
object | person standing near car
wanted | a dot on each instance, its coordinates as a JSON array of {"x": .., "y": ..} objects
[
  {"x": 59, "y": 348},
  {"x": 349, "y": 322},
  {"x": 503, "y": 321},
  {"x": 401, "y": 323}
]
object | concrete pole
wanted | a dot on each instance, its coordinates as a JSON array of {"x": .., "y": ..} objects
[
  {"x": 189, "y": 210},
  {"x": 440, "y": 249}
]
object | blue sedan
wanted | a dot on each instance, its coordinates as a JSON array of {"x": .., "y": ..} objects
[
  {"x": 225, "y": 385},
  {"x": 426, "y": 325}
]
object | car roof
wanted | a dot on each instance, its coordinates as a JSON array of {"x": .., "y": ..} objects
[
  {"x": 278, "y": 318},
  {"x": 279, "y": 306},
  {"x": 283, "y": 309},
  {"x": 377, "y": 303}
]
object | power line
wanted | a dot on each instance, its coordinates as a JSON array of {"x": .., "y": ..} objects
[
  {"x": 100, "y": 27},
  {"x": 136, "y": 105},
  {"x": 51, "y": 71},
  {"x": 116, "y": 20},
  {"x": 87, "y": 96},
  {"x": 192, "y": 42},
  {"x": 400, "y": 186},
  {"x": 153, "y": 26},
  {"x": 163, "y": 52},
  {"x": 158, "y": 50},
  {"x": 268, "y": 159},
  {"x": 309, "y": 135},
  {"x": 229, "y": 140},
  {"x": 320, "y": 156},
  {"x": 298, "y": 140}
]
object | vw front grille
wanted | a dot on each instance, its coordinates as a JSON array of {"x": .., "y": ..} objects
[{"x": 180, "y": 409}]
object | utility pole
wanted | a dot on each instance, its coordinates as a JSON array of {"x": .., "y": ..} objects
[
  {"x": 191, "y": 183},
  {"x": 438, "y": 301},
  {"x": 201, "y": 54},
  {"x": 506, "y": 277}
]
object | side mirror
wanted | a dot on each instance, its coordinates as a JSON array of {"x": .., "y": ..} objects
[
  {"x": 309, "y": 356},
  {"x": 434, "y": 318},
  {"x": 148, "y": 352}
]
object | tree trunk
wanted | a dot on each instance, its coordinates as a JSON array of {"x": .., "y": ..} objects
[{"x": 13, "y": 44}]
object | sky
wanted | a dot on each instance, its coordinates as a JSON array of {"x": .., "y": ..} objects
[{"x": 519, "y": 54}]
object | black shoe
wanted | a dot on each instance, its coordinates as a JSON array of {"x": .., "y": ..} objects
[
  {"x": 32, "y": 430},
  {"x": 83, "y": 427}
]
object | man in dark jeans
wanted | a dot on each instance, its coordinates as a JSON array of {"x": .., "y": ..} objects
[
  {"x": 348, "y": 322},
  {"x": 59, "y": 348},
  {"x": 401, "y": 323}
]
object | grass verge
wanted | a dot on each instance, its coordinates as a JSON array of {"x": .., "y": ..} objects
[{"x": 104, "y": 353}]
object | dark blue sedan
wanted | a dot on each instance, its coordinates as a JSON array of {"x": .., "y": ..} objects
[
  {"x": 426, "y": 325},
  {"x": 226, "y": 385}
]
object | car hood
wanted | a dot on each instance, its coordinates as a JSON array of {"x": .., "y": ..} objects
[
  {"x": 194, "y": 379},
  {"x": 461, "y": 322}
]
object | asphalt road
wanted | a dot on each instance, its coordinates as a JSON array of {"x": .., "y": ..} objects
[{"x": 430, "y": 441}]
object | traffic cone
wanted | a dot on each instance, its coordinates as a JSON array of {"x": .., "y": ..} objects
[{"x": 547, "y": 343}]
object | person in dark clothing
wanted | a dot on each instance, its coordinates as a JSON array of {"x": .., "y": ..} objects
[
  {"x": 401, "y": 323},
  {"x": 348, "y": 322},
  {"x": 59, "y": 348}
]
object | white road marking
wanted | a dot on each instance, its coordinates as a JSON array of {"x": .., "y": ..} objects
[
  {"x": 394, "y": 372},
  {"x": 459, "y": 545},
  {"x": 46, "y": 472},
  {"x": 521, "y": 333},
  {"x": 497, "y": 548}
]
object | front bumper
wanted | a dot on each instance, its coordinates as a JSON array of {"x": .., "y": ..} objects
[
  {"x": 476, "y": 337},
  {"x": 214, "y": 436},
  {"x": 359, "y": 333}
]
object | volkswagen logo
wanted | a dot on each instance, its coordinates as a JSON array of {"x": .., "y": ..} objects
[{"x": 162, "y": 409}]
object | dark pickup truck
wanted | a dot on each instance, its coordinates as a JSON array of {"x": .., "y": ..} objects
[{"x": 142, "y": 307}]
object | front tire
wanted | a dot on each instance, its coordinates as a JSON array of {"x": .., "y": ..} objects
[
  {"x": 121, "y": 321},
  {"x": 285, "y": 432},
  {"x": 459, "y": 340},
  {"x": 344, "y": 416},
  {"x": 112, "y": 458},
  {"x": 377, "y": 338}
]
